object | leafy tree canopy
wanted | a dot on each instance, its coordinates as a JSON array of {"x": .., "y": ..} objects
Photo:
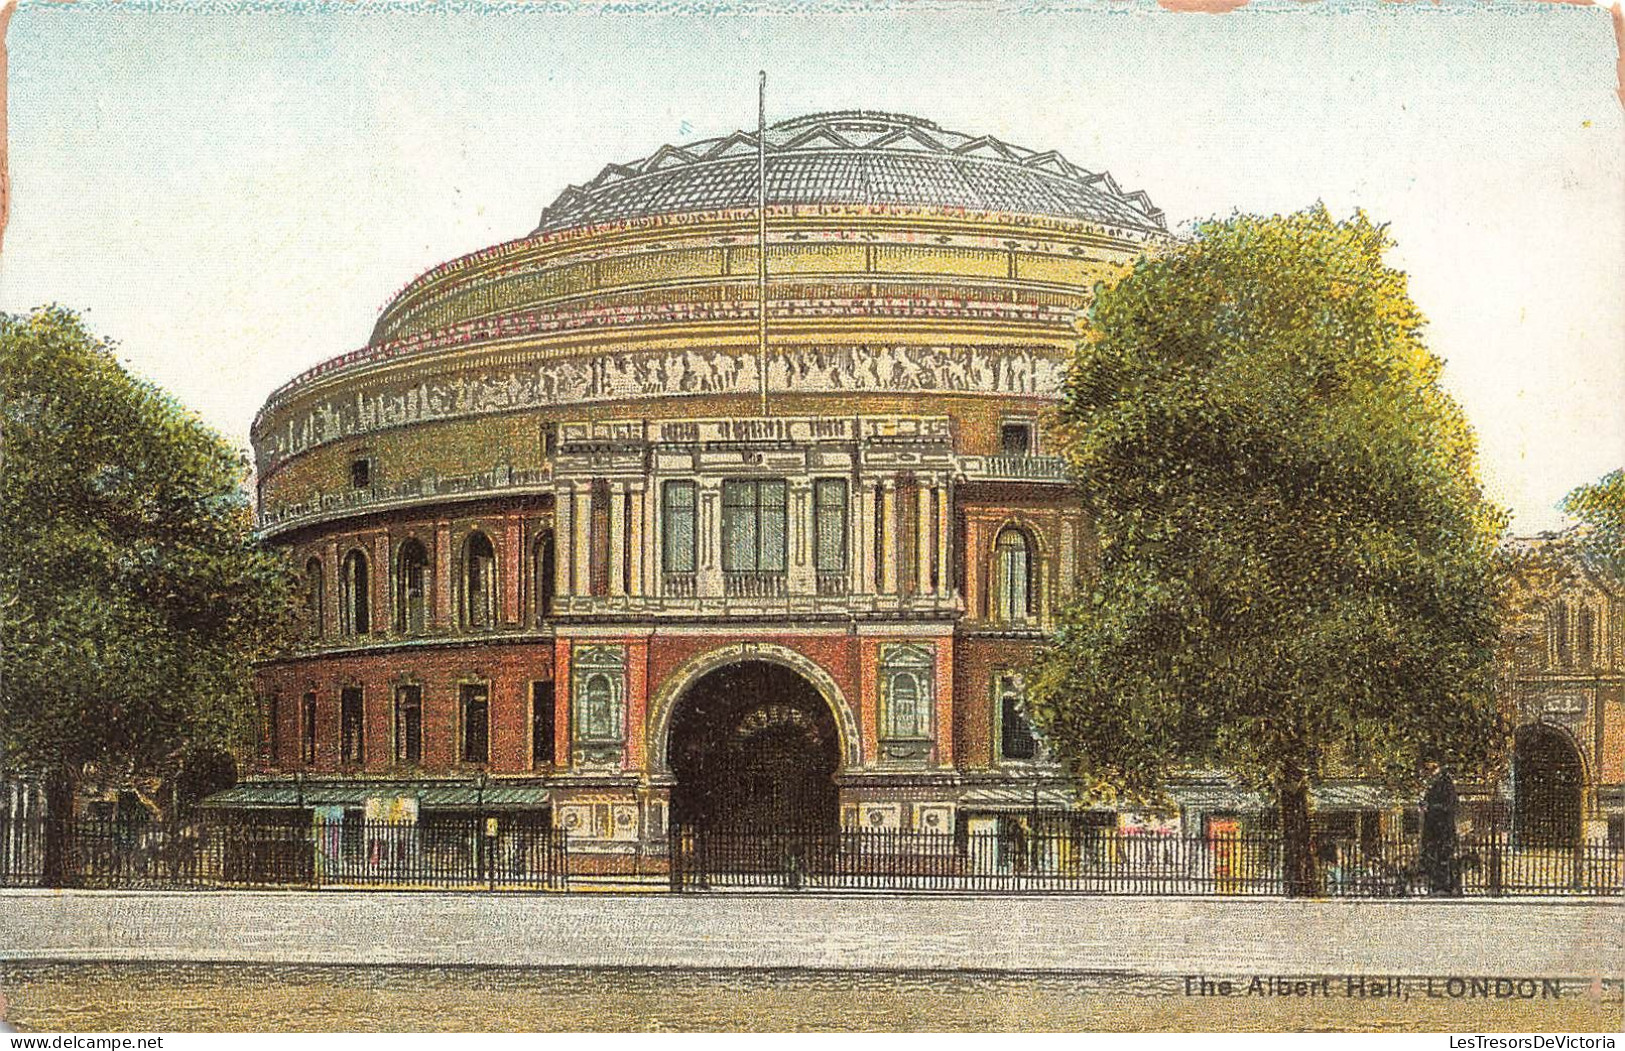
[
  {"x": 1600, "y": 508},
  {"x": 133, "y": 596},
  {"x": 1297, "y": 572}
]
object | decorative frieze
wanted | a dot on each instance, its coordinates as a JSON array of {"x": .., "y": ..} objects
[{"x": 1007, "y": 370}]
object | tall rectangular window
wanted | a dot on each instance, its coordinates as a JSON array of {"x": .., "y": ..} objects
[
  {"x": 351, "y": 723},
  {"x": 541, "y": 723},
  {"x": 476, "y": 705},
  {"x": 754, "y": 513},
  {"x": 307, "y": 729},
  {"x": 409, "y": 724},
  {"x": 829, "y": 525},
  {"x": 598, "y": 538},
  {"x": 1016, "y": 738},
  {"x": 906, "y": 542},
  {"x": 677, "y": 532},
  {"x": 877, "y": 540}
]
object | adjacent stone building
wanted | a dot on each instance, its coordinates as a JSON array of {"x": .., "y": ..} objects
[{"x": 1563, "y": 681}]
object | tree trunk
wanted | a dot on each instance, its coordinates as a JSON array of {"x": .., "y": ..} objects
[
  {"x": 1298, "y": 859},
  {"x": 58, "y": 868}
]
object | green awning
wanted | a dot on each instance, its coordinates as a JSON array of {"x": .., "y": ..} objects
[
  {"x": 1016, "y": 798},
  {"x": 430, "y": 795},
  {"x": 254, "y": 795},
  {"x": 467, "y": 797}
]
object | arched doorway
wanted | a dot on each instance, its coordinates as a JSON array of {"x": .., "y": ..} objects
[
  {"x": 1548, "y": 781},
  {"x": 753, "y": 745}
]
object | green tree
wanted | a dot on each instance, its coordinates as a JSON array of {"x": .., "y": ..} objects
[
  {"x": 1600, "y": 508},
  {"x": 134, "y": 598},
  {"x": 1297, "y": 568}
]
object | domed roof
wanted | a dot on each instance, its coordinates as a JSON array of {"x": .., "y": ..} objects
[{"x": 852, "y": 157}]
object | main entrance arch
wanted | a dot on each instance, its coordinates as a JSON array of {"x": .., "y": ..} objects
[
  {"x": 753, "y": 744},
  {"x": 1548, "y": 782}
]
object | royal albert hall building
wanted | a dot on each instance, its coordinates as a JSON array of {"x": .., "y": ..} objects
[{"x": 560, "y": 565}]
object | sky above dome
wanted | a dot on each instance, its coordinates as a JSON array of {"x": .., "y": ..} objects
[{"x": 235, "y": 195}]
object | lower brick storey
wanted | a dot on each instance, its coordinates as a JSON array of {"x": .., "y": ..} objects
[{"x": 960, "y": 730}]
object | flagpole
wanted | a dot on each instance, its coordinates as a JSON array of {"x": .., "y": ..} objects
[{"x": 761, "y": 236}]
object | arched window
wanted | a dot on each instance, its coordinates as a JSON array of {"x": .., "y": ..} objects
[
  {"x": 544, "y": 560},
  {"x": 1012, "y": 577},
  {"x": 315, "y": 597},
  {"x": 1560, "y": 636},
  {"x": 1586, "y": 629},
  {"x": 355, "y": 618},
  {"x": 479, "y": 582},
  {"x": 411, "y": 587},
  {"x": 1548, "y": 781},
  {"x": 597, "y": 708},
  {"x": 905, "y": 706}
]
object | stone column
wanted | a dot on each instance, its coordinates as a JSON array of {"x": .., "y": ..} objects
[
  {"x": 650, "y": 551},
  {"x": 581, "y": 563},
  {"x": 924, "y": 547},
  {"x": 333, "y": 590},
  {"x": 863, "y": 542},
  {"x": 801, "y": 576},
  {"x": 945, "y": 524},
  {"x": 513, "y": 549},
  {"x": 442, "y": 576},
  {"x": 892, "y": 544},
  {"x": 708, "y": 539},
  {"x": 975, "y": 571},
  {"x": 383, "y": 590},
  {"x": 635, "y": 542},
  {"x": 563, "y": 541},
  {"x": 617, "y": 538}
]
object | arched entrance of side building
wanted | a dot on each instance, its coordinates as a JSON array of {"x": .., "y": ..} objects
[
  {"x": 754, "y": 745},
  {"x": 1548, "y": 779}
]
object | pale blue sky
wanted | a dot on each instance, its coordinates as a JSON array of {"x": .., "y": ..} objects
[{"x": 235, "y": 196}]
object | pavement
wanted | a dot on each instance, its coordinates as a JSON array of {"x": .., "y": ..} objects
[{"x": 1582, "y": 938}]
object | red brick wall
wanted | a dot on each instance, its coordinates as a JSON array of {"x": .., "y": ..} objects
[
  {"x": 977, "y": 659},
  {"x": 509, "y": 671}
]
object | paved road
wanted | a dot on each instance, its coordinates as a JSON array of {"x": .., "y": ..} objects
[{"x": 1155, "y": 936}]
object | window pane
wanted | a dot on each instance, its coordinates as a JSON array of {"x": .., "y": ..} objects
[
  {"x": 597, "y": 719},
  {"x": 308, "y": 730},
  {"x": 409, "y": 724},
  {"x": 905, "y": 706},
  {"x": 772, "y": 530},
  {"x": 678, "y": 533},
  {"x": 1014, "y": 577},
  {"x": 1017, "y": 740},
  {"x": 738, "y": 529},
  {"x": 829, "y": 523},
  {"x": 476, "y": 724},
  {"x": 541, "y": 722},
  {"x": 350, "y": 725},
  {"x": 1015, "y": 439},
  {"x": 754, "y": 525}
]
